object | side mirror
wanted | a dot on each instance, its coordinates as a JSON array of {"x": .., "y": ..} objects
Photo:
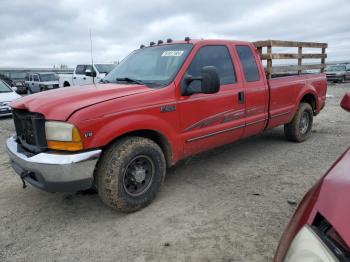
[
  {"x": 210, "y": 82},
  {"x": 89, "y": 73},
  {"x": 345, "y": 103}
]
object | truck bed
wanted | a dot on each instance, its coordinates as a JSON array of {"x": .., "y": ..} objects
[{"x": 287, "y": 91}]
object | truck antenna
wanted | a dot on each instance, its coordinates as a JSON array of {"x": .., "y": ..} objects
[{"x": 92, "y": 60}]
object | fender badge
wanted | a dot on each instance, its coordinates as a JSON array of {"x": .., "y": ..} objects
[
  {"x": 88, "y": 134},
  {"x": 167, "y": 108}
]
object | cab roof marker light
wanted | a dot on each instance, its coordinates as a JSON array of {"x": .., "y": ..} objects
[
  {"x": 142, "y": 46},
  {"x": 152, "y": 43},
  {"x": 187, "y": 39},
  {"x": 169, "y": 40},
  {"x": 160, "y": 42}
]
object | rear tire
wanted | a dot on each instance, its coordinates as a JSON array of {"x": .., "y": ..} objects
[
  {"x": 130, "y": 173},
  {"x": 299, "y": 129}
]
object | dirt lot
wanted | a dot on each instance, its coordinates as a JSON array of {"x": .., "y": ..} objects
[{"x": 230, "y": 204}]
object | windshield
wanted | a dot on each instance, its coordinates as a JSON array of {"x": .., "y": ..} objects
[
  {"x": 335, "y": 68},
  {"x": 4, "y": 88},
  {"x": 48, "y": 77},
  {"x": 104, "y": 68},
  {"x": 154, "y": 66}
]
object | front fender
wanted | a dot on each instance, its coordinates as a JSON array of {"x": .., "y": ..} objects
[{"x": 101, "y": 132}]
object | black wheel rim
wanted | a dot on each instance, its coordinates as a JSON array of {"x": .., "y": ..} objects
[
  {"x": 138, "y": 175},
  {"x": 304, "y": 123}
]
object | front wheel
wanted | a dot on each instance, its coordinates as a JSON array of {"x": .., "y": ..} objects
[
  {"x": 130, "y": 173},
  {"x": 299, "y": 129}
]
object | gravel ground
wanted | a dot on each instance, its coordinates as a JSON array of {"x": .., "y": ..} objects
[{"x": 229, "y": 204}]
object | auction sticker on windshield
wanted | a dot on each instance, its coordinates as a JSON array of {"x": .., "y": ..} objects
[{"x": 172, "y": 53}]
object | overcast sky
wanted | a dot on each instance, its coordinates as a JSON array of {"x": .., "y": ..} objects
[{"x": 35, "y": 33}]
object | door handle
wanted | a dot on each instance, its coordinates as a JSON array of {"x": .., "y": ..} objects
[
  {"x": 74, "y": 78},
  {"x": 32, "y": 84},
  {"x": 84, "y": 78},
  {"x": 241, "y": 97}
]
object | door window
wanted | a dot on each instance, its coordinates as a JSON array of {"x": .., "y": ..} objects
[
  {"x": 89, "y": 67},
  {"x": 80, "y": 70},
  {"x": 36, "y": 78},
  {"x": 217, "y": 56}
]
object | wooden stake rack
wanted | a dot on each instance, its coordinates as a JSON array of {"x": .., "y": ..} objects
[{"x": 269, "y": 55}]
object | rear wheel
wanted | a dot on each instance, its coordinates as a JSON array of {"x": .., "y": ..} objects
[
  {"x": 130, "y": 173},
  {"x": 299, "y": 129}
]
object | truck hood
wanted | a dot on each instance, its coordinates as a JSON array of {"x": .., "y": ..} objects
[
  {"x": 49, "y": 83},
  {"x": 334, "y": 198},
  {"x": 9, "y": 96},
  {"x": 61, "y": 103},
  {"x": 335, "y": 72}
]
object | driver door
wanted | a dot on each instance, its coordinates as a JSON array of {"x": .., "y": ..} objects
[{"x": 210, "y": 120}]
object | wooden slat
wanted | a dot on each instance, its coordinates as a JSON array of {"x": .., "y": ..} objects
[
  {"x": 279, "y": 43},
  {"x": 292, "y": 56},
  {"x": 323, "y": 59},
  {"x": 300, "y": 54},
  {"x": 283, "y": 69},
  {"x": 269, "y": 62}
]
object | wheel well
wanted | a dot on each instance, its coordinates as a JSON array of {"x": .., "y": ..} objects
[
  {"x": 157, "y": 138},
  {"x": 66, "y": 83},
  {"x": 310, "y": 99}
]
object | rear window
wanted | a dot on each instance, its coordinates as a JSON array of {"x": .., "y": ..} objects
[{"x": 247, "y": 59}]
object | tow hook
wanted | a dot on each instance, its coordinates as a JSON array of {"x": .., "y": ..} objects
[{"x": 23, "y": 175}]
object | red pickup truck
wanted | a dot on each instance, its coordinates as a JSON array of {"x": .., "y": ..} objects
[{"x": 162, "y": 103}]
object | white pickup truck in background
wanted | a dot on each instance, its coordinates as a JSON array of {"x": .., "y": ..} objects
[{"x": 83, "y": 74}]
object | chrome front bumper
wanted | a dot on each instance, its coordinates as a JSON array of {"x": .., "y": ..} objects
[
  {"x": 5, "y": 111},
  {"x": 53, "y": 171}
]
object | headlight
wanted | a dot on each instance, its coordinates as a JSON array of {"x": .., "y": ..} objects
[
  {"x": 307, "y": 246},
  {"x": 62, "y": 136}
]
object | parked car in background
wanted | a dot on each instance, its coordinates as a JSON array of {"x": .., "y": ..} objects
[
  {"x": 7, "y": 95},
  {"x": 38, "y": 82},
  {"x": 18, "y": 81},
  {"x": 6, "y": 79},
  {"x": 84, "y": 73},
  {"x": 161, "y": 104},
  {"x": 338, "y": 73},
  {"x": 319, "y": 229}
]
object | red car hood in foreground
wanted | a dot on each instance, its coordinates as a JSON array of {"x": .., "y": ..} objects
[
  {"x": 334, "y": 198},
  {"x": 60, "y": 104}
]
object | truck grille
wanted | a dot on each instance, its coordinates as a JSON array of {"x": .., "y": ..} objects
[{"x": 30, "y": 130}]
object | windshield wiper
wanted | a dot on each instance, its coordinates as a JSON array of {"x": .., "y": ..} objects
[{"x": 131, "y": 80}]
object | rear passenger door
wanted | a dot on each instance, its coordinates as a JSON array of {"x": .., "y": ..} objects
[
  {"x": 79, "y": 77},
  {"x": 210, "y": 120},
  {"x": 256, "y": 90},
  {"x": 35, "y": 84}
]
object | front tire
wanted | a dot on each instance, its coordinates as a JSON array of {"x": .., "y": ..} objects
[
  {"x": 299, "y": 129},
  {"x": 130, "y": 173}
]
